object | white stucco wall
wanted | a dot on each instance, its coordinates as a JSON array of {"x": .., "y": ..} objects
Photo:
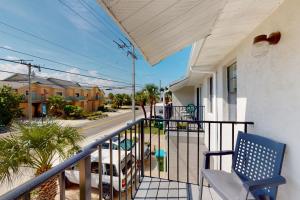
[
  {"x": 183, "y": 96},
  {"x": 269, "y": 90}
]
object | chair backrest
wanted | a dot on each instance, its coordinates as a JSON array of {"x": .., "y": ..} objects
[{"x": 258, "y": 158}]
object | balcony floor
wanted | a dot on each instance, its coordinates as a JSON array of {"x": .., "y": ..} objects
[{"x": 155, "y": 188}]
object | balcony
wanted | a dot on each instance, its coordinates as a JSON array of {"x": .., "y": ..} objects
[
  {"x": 75, "y": 98},
  {"x": 34, "y": 98},
  {"x": 168, "y": 169},
  {"x": 188, "y": 113}
]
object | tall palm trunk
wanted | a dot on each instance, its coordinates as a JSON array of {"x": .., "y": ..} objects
[
  {"x": 154, "y": 108},
  {"x": 144, "y": 111},
  {"x": 48, "y": 190},
  {"x": 151, "y": 109}
]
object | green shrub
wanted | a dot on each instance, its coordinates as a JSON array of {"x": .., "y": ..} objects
[
  {"x": 102, "y": 108},
  {"x": 73, "y": 111},
  {"x": 96, "y": 115},
  {"x": 9, "y": 105}
]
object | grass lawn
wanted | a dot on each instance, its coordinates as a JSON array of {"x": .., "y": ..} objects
[{"x": 154, "y": 130}]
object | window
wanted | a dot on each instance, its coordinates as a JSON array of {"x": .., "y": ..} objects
[
  {"x": 59, "y": 93},
  {"x": 94, "y": 167},
  {"x": 232, "y": 91},
  {"x": 26, "y": 92},
  {"x": 210, "y": 94},
  {"x": 107, "y": 170},
  {"x": 77, "y": 94}
]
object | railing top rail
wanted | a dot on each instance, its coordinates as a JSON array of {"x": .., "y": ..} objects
[
  {"x": 202, "y": 121},
  {"x": 37, "y": 181}
]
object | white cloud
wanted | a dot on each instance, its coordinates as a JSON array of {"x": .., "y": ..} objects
[
  {"x": 11, "y": 67},
  {"x": 7, "y": 47}
]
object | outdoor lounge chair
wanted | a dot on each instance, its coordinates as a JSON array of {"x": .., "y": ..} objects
[{"x": 256, "y": 169}]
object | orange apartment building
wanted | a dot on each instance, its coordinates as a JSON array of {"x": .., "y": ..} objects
[{"x": 88, "y": 98}]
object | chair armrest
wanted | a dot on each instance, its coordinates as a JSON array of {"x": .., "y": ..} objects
[
  {"x": 208, "y": 154},
  {"x": 269, "y": 182},
  {"x": 218, "y": 153}
]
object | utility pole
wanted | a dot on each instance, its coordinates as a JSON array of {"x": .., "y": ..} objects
[
  {"x": 133, "y": 82},
  {"x": 130, "y": 50},
  {"x": 29, "y": 94},
  {"x": 160, "y": 90},
  {"x": 30, "y": 66}
]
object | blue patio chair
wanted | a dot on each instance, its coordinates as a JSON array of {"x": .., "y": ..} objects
[{"x": 256, "y": 169}]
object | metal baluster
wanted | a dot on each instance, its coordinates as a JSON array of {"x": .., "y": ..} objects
[
  {"x": 221, "y": 134},
  {"x": 135, "y": 169},
  {"x": 126, "y": 185},
  {"x": 100, "y": 172},
  {"x": 26, "y": 196},
  {"x": 177, "y": 152},
  {"x": 62, "y": 185},
  {"x": 85, "y": 178},
  {"x": 188, "y": 153},
  {"x": 111, "y": 169},
  {"x": 209, "y": 136},
  {"x": 158, "y": 150},
  {"x": 168, "y": 150},
  {"x": 139, "y": 142},
  {"x": 131, "y": 161},
  {"x": 142, "y": 148},
  {"x": 232, "y": 135},
  {"x": 119, "y": 160},
  {"x": 245, "y": 128},
  {"x": 150, "y": 129},
  {"x": 198, "y": 153}
]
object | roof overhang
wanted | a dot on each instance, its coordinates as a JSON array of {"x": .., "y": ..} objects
[
  {"x": 160, "y": 28},
  {"x": 238, "y": 19}
]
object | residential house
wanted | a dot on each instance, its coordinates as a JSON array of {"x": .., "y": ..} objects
[
  {"x": 43, "y": 88},
  {"x": 94, "y": 96}
]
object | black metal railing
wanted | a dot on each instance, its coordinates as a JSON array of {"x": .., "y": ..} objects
[
  {"x": 189, "y": 112},
  {"x": 154, "y": 151}
]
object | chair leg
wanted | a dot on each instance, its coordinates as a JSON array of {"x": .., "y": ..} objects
[{"x": 201, "y": 188}]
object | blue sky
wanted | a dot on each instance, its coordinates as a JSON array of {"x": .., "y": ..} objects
[{"x": 86, "y": 43}]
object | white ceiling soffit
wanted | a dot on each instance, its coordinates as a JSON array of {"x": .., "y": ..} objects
[
  {"x": 161, "y": 27},
  {"x": 238, "y": 19}
]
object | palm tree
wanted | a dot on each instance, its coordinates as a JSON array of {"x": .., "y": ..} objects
[
  {"x": 56, "y": 105},
  {"x": 37, "y": 146},
  {"x": 153, "y": 94},
  {"x": 141, "y": 99}
]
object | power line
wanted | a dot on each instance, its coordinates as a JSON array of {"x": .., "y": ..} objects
[
  {"x": 55, "y": 44},
  {"x": 98, "y": 17},
  {"x": 83, "y": 18},
  {"x": 82, "y": 83},
  {"x": 73, "y": 73},
  {"x": 48, "y": 59}
]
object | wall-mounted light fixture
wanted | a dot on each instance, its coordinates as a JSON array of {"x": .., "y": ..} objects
[{"x": 261, "y": 43}]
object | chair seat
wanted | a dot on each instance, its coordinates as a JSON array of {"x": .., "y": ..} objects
[{"x": 228, "y": 185}]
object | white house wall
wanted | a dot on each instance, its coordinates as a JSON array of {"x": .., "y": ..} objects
[
  {"x": 183, "y": 96},
  {"x": 268, "y": 90}
]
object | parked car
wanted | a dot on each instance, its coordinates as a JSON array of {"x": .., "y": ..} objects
[
  {"x": 72, "y": 174},
  {"x": 129, "y": 145}
]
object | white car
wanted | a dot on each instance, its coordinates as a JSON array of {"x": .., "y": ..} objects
[
  {"x": 130, "y": 145},
  {"x": 72, "y": 174}
]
